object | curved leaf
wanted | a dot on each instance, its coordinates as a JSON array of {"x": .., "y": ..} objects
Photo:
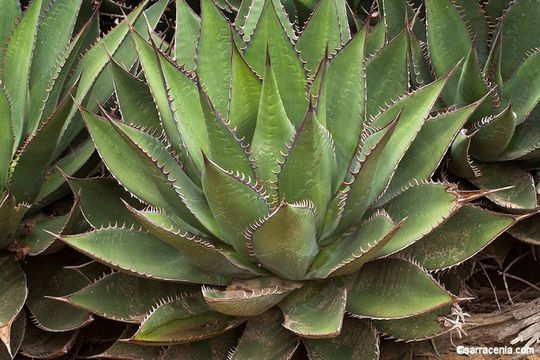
[
  {"x": 271, "y": 242},
  {"x": 13, "y": 293},
  {"x": 139, "y": 253},
  {"x": 395, "y": 288}
]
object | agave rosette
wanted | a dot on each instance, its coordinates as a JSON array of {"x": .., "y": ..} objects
[
  {"x": 499, "y": 44},
  {"x": 52, "y": 55},
  {"x": 288, "y": 174}
]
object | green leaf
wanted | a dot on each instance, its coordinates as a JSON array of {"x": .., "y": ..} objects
[
  {"x": 519, "y": 34},
  {"x": 376, "y": 39},
  {"x": 126, "y": 298},
  {"x": 16, "y": 63},
  {"x": 10, "y": 11},
  {"x": 235, "y": 203},
  {"x": 424, "y": 155},
  {"x": 248, "y": 18},
  {"x": 249, "y": 297},
  {"x": 271, "y": 243},
  {"x": 387, "y": 76},
  {"x": 38, "y": 240},
  {"x": 345, "y": 100},
  {"x": 36, "y": 154},
  {"x": 42, "y": 344},
  {"x": 203, "y": 253},
  {"x": 188, "y": 114},
  {"x": 272, "y": 132},
  {"x": 418, "y": 327},
  {"x": 6, "y": 137},
  {"x": 13, "y": 294},
  {"x": 471, "y": 87},
  {"x": 439, "y": 202},
  {"x": 523, "y": 89},
  {"x": 126, "y": 159},
  {"x": 14, "y": 337},
  {"x": 527, "y": 230},
  {"x": 475, "y": 18},
  {"x": 265, "y": 339},
  {"x": 154, "y": 71},
  {"x": 75, "y": 160},
  {"x": 445, "y": 52},
  {"x": 47, "y": 277},
  {"x": 525, "y": 142},
  {"x": 316, "y": 310},
  {"x": 463, "y": 235},
  {"x": 101, "y": 202},
  {"x": 394, "y": 288},
  {"x": 54, "y": 33},
  {"x": 193, "y": 208},
  {"x": 11, "y": 214},
  {"x": 225, "y": 148},
  {"x": 139, "y": 253},
  {"x": 421, "y": 73},
  {"x": 461, "y": 162},
  {"x": 124, "y": 350},
  {"x": 321, "y": 33},
  {"x": 522, "y": 195},
  {"x": 358, "y": 340},
  {"x": 210, "y": 349},
  {"x": 287, "y": 66},
  {"x": 214, "y": 55},
  {"x": 245, "y": 94},
  {"x": 350, "y": 252},
  {"x": 182, "y": 320},
  {"x": 311, "y": 156},
  {"x": 186, "y": 35},
  {"x": 494, "y": 135},
  {"x": 134, "y": 98},
  {"x": 414, "y": 111}
]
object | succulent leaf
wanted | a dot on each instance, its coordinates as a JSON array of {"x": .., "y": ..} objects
[
  {"x": 235, "y": 203},
  {"x": 316, "y": 310},
  {"x": 459, "y": 238},
  {"x": 11, "y": 213},
  {"x": 186, "y": 35},
  {"x": 183, "y": 319},
  {"x": 358, "y": 340},
  {"x": 122, "y": 297},
  {"x": 306, "y": 168},
  {"x": 10, "y": 11},
  {"x": 13, "y": 293},
  {"x": 47, "y": 277},
  {"x": 273, "y": 131},
  {"x": 134, "y": 98},
  {"x": 442, "y": 19},
  {"x": 270, "y": 241},
  {"x": 15, "y": 69},
  {"x": 139, "y": 253},
  {"x": 50, "y": 345},
  {"x": 13, "y": 336},
  {"x": 387, "y": 76},
  {"x": 381, "y": 290},
  {"x": 287, "y": 66},
  {"x": 527, "y": 230},
  {"x": 249, "y": 297},
  {"x": 6, "y": 137},
  {"x": 265, "y": 339}
]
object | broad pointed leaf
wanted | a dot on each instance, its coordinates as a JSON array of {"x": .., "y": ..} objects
[
  {"x": 265, "y": 339},
  {"x": 235, "y": 203},
  {"x": 316, "y": 310},
  {"x": 273, "y": 245},
  {"x": 139, "y": 253},
  {"x": 123, "y": 297},
  {"x": 186, "y": 35},
  {"x": 249, "y": 297},
  {"x": 394, "y": 289},
  {"x": 182, "y": 320},
  {"x": 358, "y": 340},
  {"x": 416, "y": 327},
  {"x": 43, "y": 344},
  {"x": 6, "y": 137},
  {"x": 440, "y": 201},
  {"x": 13, "y": 294}
]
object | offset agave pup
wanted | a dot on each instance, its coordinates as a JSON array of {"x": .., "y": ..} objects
[
  {"x": 499, "y": 42},
  {"x": 51, "y": 55},
  {"x": 289, "y": 175}
]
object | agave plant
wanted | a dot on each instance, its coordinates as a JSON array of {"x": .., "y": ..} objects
[
  {"x": 52, "y": 54},
  {"x": 499, "y": 43},
  {"x": 277, "y": 178}
]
